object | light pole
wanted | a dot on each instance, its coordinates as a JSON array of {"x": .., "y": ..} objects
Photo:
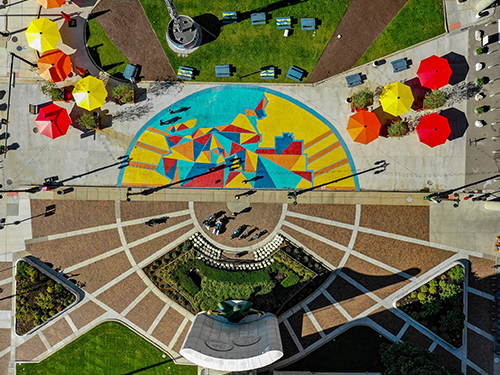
[
  {"x": 379, "y": 167},
  {"x": 49, "y": 211}
]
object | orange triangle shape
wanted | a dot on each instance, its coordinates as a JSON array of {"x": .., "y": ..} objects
[{"x": 185, "y": 149}]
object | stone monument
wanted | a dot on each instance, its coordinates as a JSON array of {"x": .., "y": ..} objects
[{"x": 183, "y": 33}]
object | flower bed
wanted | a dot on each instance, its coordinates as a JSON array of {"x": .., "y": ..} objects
[
  {"x": 38, "y": 298},
  {"x": 439, "y": 306},
  {"x": 198, "y": 287}
]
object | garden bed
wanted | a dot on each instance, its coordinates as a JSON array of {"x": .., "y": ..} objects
[
  {"x": 38, "y": 298},
  {"x": 438, "y": 305},
  {"x": 198, "y": 287}
]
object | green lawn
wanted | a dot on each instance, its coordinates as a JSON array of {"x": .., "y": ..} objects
[
  {"x": 103, "y": 50},
  {"x": 419, "y": 20},
  {"x": 356, "y": 350},
  {"x": 250, "y": 47},
  {"x": 108, "y": 349}
]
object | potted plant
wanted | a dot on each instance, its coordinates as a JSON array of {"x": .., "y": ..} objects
[
  {"x": 362, "y": 99},
  {"x": 481, "y": 81},
  {"x": 434, "y": 99},
  {"x": 124, "y": 93},
  {"x": 481, "y": 110},
  {"x": 397, "y": 128},
  {"x": 88, "y": 121},
  {"x": 479, "y": 51},
  {"x": 2, "y": 149},
  {"x": 53, "y": 92}
]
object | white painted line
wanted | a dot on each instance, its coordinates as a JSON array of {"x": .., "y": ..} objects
[
  {"x": 70, "y": 323},
  {"x": 178, "y": 333},
  {"x": 482, "y": 294},
  {"x": 337, "y": 305},
  {"x": 403, "y": 330},
  {"x": 157, "y": 320},
  {"x": 135, "y": 302},
  {"x": 315, "y": 323}
]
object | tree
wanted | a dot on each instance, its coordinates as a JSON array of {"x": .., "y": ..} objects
[{"x": 403, "y": 359}]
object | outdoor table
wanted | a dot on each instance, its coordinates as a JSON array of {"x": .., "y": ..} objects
[{"x": 267, "y": 72}]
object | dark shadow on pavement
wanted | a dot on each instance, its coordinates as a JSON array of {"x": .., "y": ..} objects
[
  {"x": 458, "y": 122},
  {"x": 459, "y": 67},
  {"x": 97, "y": 14},
  {"x": 418, "y": 91},
  {"x": 210, "y": 25}
]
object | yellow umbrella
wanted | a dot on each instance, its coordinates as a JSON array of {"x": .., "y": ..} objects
[
  {"x": 43, "y": 34},
  {"x": 90, "y": 93},
  {"x": 396, "y": 98}
]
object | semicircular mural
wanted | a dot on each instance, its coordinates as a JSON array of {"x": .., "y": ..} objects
[{"x": 238, "y": 136}]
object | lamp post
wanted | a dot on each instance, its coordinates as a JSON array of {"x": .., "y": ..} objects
[
  {"x": 49, "y": 211},
  {"x": 380, "y": 166}
]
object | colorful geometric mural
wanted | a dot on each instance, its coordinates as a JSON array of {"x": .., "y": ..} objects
[{"x": 238, "y": 137}]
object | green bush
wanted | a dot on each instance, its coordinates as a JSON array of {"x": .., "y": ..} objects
[
  {"x": 52, "y": 91},
  {"x": 480, "y": 81},
  {"x": 435, "y": 99},
  {"x": 397, "y": 128},
  {"x": 164, "y": 261},
  {"x": 457, "y": 274},
  {"x": 479, "y": 51},
  {"x": 480, "y": 110},
  {"x": 421, "y": 296},
  {"x": 290, "y": 280},
  {"x": 413, "y": 294},
  {"x": 124, "y": 93},
  {"x": 442, "y": 283},
  {"x": 88, "y": 121},
  {"x": 433, "y": 282},
  {"x": 432, "y": 290},
  {"x": 424, "y": 288},
  {"x": 450, "y": 290},
  {"x": 362, "y": 99}
]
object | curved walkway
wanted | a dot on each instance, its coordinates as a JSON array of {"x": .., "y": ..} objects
[{"x": 379, "y": 254}]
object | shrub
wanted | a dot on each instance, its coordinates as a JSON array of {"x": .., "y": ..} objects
[
  {"x": 397, "y": 128},
  {"x": 480, "y": 110},
  {"x": 433, "y": 282},
  {"x": 52, "y": 91},
  {"x": 435, "y": 99},
  {"x": 424, "y": 288},
  {"x": 124, "y": 93},
  {"x": 450, "y": 290},
  {"x": 421, "y": 296},
  {"x": 457, "y": 274},
  {"x": 168, "y": 292},
  {"x": 432, "y": 290},
  {"x": 164, "y": 261},
  {"x": 480, "y": 81},
  {"x": 290, "y": 280},
  {"x": 413, "y": 294},
  {"x": 442, "y": 283},
  {"x": 168, "y": 256},
  {"x": 479, "y": 51},
  {"x": 187, "y": 246},
  {"x": 362, "y": 99},
  {"x": 156, "y": 263},
  {"x": 88, "y": 121}
]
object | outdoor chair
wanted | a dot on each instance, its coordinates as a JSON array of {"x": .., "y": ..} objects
[
  {"x": 308, "y": 23},
  {"x": 295, "y": 73},
  {"x": 284, "y": 22},
  {"x": 34, "y": 109},
  {"x": 185, "y": 72},
  {"x": 258, "y": 18},
  {"x": 267, "y": 72},
  {"x": 354, "y": 80},
  {"x": 229, "y": 17},
  {"x": 222, "y": 71},
  {"x": 400, "y": 65},
  {"x": 130, "y": 72}
]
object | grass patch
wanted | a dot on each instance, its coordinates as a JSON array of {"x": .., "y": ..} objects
[
  {"x": 250, "y": 47},
  {"x": 356, "y": 350},
  {"x": 103, "y": 50},
  {"x": 419, "y": 20},
  {"x": 109, "y": 348}
]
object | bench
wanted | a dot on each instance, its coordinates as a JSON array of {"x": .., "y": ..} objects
[
  {"x": 284, "y": 22},
  {"x": 130, "y": 72},
  {"x": 229, "y": 17},
  {"x": 258, "y": 18},
  {"x": 222, "y": 71},
  {"x": 308, "y": 23},
  {"x": 295, "y": 73},
  {"x": 400, "y": 65},
  {"x": 185, "y": 73},
  {"x": 267, "y": 72},
  {"x": 354, "y": 80}
]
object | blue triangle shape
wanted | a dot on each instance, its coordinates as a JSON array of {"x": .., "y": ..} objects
[{"x": 281, "y": 178}]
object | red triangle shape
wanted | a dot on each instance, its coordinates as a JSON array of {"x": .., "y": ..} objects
[
  {"x": 295, "y": 148},
  {"x": 303, "y": 174},
  {"x": 203, "y": 139},
  {"x": 174, "y": 138},
  {"x": 231, "y": 175},
  {"x": 168, "y": 163},
  {"x": 255, "y": 139},
  {"x": 236, "y": 129},
  {"x": 182, "y": 127},
  {"x": 236, "y": 148},
  {"x": 207, "y": 180}
]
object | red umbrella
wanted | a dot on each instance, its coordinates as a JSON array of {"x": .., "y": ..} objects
[
  {"x": 433, "y": 130},
  {"x": 53, "y": 121},
  {"x": 434, "y": 72}
]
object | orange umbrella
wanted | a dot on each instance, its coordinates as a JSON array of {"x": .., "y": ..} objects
[
  {"x": 364, "y": 127},
  {"x": 54, "y": 66},
  {"x": 48, "y": 4}
]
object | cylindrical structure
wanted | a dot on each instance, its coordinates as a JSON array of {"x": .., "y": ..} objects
[{"x": 186, "y": 40}]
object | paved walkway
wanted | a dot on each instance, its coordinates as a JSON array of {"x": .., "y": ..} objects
[{"x": 108, "y": 245}]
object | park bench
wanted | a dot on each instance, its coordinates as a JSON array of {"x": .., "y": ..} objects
[
  {"x": 130, "y": 72},
  {"x": 185, "y": 73},
  {"x": 399, "y": 65},
  {"x": 308, "y": 23},
  {"x": 258, "y": 18},
  {"x": 354, "y": 80},
  {"x": 284, "y": 22},
  {"x": 267, "y": 72},
  {"x": 229, "y": 17},
  {"x": 295, "y": 73},
  {"x": 222, "y": 71}
]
